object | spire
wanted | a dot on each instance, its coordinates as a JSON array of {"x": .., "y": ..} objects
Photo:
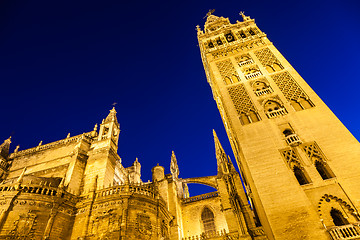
[
  {"x": 4, "y": 148},
  {"x": 174, "y": 168},
  {"x": 221, "y": 156},
  {"x": 111, "y": 117}
]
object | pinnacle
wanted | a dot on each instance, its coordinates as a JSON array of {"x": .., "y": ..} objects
[{"x": 112, "y": 116}]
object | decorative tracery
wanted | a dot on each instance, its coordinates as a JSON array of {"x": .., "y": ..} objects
[
  {"x": 268, "y": 60},
  {"x": 292, "y": 91},
  {"x": 227, "y": 71},
  {"x": 293, "y": 161},
  {"x": 243, "y": 104},
  {"x": 312, "y": 150}
]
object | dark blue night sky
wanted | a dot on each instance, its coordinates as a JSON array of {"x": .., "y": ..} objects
[{"x": 63, "y": 64}]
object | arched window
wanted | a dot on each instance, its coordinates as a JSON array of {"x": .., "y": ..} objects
[
  {"x": 300, "y": 175},
  {"x": 207, "y": 217},
  {"x": 338, "y": 217},
  {"x": 324, "y": 172}
]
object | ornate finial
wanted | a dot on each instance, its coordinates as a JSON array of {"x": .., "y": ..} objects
[
  {"x": 245, "y": 18},
  {"x": 95, "y": 127},
  {"x": 68, "y": 135},
  {"x": 40, "y": 143},
  {"x": 17, "y": 149},
  {"x": 209, "y": 13}
]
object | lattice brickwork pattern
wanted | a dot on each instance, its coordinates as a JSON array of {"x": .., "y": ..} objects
[
  {"x": 290, "y": 155},
  {"x": 288, "y": 86},
  {"x": 313, "y": 150},
  {"x": 241, "y": 99},
  {"x": 266, "y": 57},
  {"x": 226, "y": 68}
]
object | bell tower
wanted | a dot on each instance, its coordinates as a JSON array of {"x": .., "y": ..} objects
[{"x": 299, "y": 163}]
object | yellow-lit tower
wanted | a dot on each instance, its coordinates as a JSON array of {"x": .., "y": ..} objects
[{"x": 300, "y": 165}]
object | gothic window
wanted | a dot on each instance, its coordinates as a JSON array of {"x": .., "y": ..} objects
[
  {"x": 207, "y": 218},
  {"x": 219, "y": 42},
  {"x": 230, "y": 37},
  {"x": 338, "y": 217},
  {"x": 300, "y": 175}
]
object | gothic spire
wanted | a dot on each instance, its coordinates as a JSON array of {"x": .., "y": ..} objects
[
  {"x": 174, "y": 168},
  {"x": 221, "y": 156}
]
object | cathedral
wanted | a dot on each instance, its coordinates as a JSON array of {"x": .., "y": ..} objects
[{"x": 299, "y": 166}]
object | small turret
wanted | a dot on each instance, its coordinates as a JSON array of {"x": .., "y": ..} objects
[
  {"x": 134, "y": 172},
  {"x": 158, "y": 173}
]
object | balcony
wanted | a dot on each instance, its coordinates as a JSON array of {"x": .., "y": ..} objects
[
  {"x": 276, "y": 113},
  {"x": 263, "y": 91},
  {"x": 246, "y": 62},
  {"x": 293, "y": 140},
  {"x": 349, "y": 231},
  {"x": 253, "y": 75}
]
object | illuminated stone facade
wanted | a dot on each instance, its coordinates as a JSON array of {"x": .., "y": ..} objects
[
  {"x": 77, "y": 188},
  {"x": 300, "y": 165}
]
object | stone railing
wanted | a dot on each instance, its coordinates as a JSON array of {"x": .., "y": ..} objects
[
  {"x": 276, "y": 113},
  {"x": 246, "y": 62},
  {"x": 253, "y": 75},
  {"x": 219, "y": 235},
  {"x": 38, "y": 189},
  {"x": 263, "y": 91},
  {"x": 349, "y": 231},
  {"x": 293, "y": 140},
  {"x": 65, "y": 141},
  {"x": 200, "y": 197},
  {"x": 141, "y": 189}
]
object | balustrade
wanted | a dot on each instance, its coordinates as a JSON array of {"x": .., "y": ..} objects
[
  {"x": 349, "y": 231},
  {"x": 293, "y": 140},
  {"x": 200, "y": 197}
]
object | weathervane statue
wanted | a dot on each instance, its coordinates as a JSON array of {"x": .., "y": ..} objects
[{"x": 209, "y": 13}]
